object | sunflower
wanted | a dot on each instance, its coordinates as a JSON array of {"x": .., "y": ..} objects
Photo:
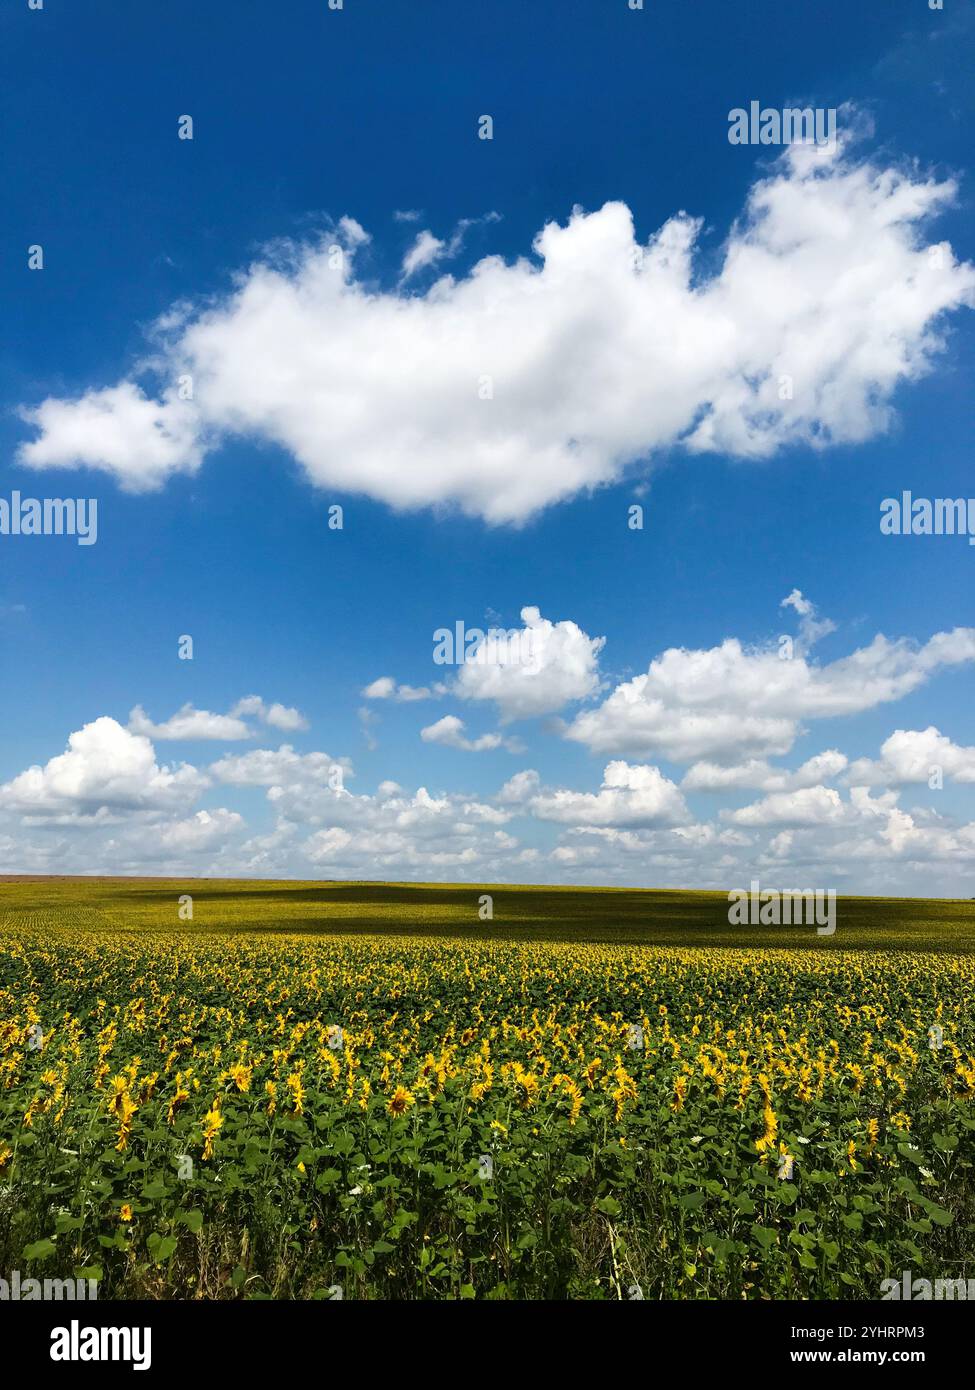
[
  {"x": 211, "y": 1123},
  {"x": 771, "y": 1130},
  {"x": 400, "y": 1101}
]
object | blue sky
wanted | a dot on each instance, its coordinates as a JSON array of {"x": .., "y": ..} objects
[{"x": 609, "y": 392}]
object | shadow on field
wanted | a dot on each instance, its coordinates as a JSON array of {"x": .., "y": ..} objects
[{"x": 621, "y": 916}]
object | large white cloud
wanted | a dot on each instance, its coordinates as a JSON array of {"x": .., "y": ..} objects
[
  {"x": 105, "y": 770},
  {"x": 521, "y": 384},
  {"x": 731, "y": 703}
]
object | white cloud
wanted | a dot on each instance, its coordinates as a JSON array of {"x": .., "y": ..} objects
[
  {"x": 191, "y": 723},
  {"x": 525, "y": 671},
  {"x": 811, "y": 628},
  {"x": 449, "y": 731},
  {"x": 397, "y": 832},
  {"x": 808, "y": 806},
  {"x": 757, "y": 773},
  {"x": 201, "y": 831},
  {"x": 267, "y": 767},
  {"x": 629, "y": 796},
  {"x": 105, "y": 770},
  {"x": 284, "y": 717},
  {"x": 426, "y": 250},
  {"x": 633, "y": 828},
  {"x": 520, "y": 788},
  {"x": 730, "y": 703},
  {"x": 911, "y": 756},
  {"x": 118, "y": 429},
  {"x": 539, "y": 668},
  {"x": 385, "y": 688},
  {"x": 601, "y": 353}
]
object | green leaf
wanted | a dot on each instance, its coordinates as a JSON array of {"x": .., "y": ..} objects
[
  {"x": 693, "y": 1200},
  {"x": 40, "y": 1250},
  {"x": 161, "y": 1247}
]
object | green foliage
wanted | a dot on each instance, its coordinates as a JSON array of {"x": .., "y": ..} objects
[{"x": 194, "y": 1125}]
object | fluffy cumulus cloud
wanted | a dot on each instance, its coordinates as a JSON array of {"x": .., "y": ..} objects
[
  {"x": 142, "y": 441},
  {"x": 520, "y": 788},
  {"x": 526, "y": 671},
  {"x": 395, "y": 832},
  {"x": 522, "y": 383},
  {"x": 867, "y": 837},
  {"x": 757, "y": 773},
  {"x": 200, "y": 831},
  {"x": 914, "y": 756},
  {"x": 808, "y": 806},
  {"x": 108, "y": 803},
  {"x": 189, "y": 723},
  {"x": 532, "y": 670},
  {"x": 105, "y": 771},
  {"x": 629, "y": 796},
  {"x": 269, "y": 767},
  {"x": 731, "y": 703},
  {"x": 854, "y": 844}
]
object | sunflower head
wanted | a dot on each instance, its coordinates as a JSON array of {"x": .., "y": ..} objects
[{"x": 400, "y": 1101}]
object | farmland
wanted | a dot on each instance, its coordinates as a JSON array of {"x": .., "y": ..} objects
[{"x": 597, "y": 1094}]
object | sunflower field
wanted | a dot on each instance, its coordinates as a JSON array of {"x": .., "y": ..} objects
[{"x": 199, "y": 1114}]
